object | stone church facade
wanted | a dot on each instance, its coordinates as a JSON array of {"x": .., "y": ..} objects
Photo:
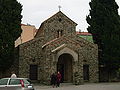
[{"x": 57, "y": 47}]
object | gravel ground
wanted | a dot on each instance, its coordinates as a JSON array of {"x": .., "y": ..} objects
[{"x": 89, "y": 86}]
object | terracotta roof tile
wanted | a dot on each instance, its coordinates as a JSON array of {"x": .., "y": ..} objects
[{"x": 83, "y": 33}]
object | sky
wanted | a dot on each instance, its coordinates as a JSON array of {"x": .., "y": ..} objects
[{"x": 37, "y": 11}]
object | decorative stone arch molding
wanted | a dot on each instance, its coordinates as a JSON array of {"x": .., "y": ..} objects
[
  {"x": 69, "y": 51},
  {"x": 70, "y": 63}
]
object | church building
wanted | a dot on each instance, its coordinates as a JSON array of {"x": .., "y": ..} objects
[{"x": 57, "y": 47}]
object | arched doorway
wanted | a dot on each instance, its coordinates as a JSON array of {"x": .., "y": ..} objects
[{"x": 65, "y": 66}]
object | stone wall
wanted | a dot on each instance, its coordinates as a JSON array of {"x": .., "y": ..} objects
[{"x": 30, "y": 53}]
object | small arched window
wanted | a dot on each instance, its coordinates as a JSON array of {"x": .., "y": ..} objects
[{"x": 59, "y": 33}]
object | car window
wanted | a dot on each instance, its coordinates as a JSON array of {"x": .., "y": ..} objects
[
  {"x": 14, "y": 81},
  {"x": 26, "y": 81},
  {"x": 3, "y": 81}
]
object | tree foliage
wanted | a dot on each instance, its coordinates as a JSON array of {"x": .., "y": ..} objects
[
  {"x": 10, "y": 30},
  {"x": 104, "y": 24}
]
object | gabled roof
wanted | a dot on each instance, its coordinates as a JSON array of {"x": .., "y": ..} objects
[
  {"x": 40, "y": 30},
  {"x": 57, "y": 14},
  {"x": 60, "y": 13},
  {"x": 65, "y": 39},
  {"x": 59, "y": 43}
]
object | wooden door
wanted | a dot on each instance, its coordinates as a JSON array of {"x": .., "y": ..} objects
[{"x": 33, "y": 72}]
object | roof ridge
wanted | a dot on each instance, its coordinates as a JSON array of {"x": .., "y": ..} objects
[{"x": 62, "y": 14}]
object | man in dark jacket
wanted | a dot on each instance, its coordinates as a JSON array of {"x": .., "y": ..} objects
[{"x": 53, "y": 80}]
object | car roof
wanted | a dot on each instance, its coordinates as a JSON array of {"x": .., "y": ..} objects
[{"x": 14, "y": 78}]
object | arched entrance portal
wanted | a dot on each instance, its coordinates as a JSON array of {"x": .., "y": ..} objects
[{"x": 64, "y": 65}]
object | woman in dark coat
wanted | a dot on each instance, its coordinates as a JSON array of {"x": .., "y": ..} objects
[
  {"x": 58, "y": 78},
  {"x": 53, "y": 80}
]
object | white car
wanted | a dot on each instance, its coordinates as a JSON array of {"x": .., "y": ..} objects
[{"x": 15, "y": 84}]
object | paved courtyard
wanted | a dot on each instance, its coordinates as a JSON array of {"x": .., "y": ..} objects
[{"x": 93, "y": 86}]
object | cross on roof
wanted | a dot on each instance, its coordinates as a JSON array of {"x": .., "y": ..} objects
[{"x": 59, "y": 7}]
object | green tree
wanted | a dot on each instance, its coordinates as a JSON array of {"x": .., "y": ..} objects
[
  {"x": 10, "y": 30},
  {"x": 104, "y": 24}
]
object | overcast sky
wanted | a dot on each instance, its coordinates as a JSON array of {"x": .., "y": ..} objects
[{"x": 36, "y": 11}]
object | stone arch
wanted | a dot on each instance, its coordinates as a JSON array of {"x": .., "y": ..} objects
[
  {"x": 65, "y": 63},
  {"x": 69, "y": 51}
]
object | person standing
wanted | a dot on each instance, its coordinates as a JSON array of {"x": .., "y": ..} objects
[
  {"x": 53, "y": 80},
  {"x": 58, "y": 78}
]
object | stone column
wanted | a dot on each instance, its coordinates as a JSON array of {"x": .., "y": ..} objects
[
  {"x": 77, "y": 73},
  {"x": 94, "y": 72},
  {"x": 54, "y": 63},
  {"x": 94, "y": 69}
]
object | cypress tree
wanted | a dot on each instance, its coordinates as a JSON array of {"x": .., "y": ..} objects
[
  {"x": 104, "y": 24},
  {"x": 10, "y": 30}
]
